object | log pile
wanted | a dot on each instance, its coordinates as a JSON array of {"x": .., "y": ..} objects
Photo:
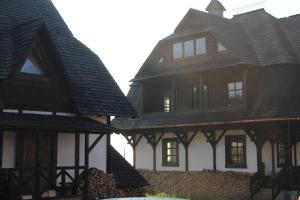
[
  {"x": 206, "y": 182},
  {"x": 101, "y": 185}
]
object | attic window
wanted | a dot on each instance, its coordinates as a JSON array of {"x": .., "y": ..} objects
[
  {"x": 161, "y": 60},
  {"x": 200, "y": 46},
  {"x": 31, "y": 66},
  {"x": 177, "y": 50},
  {"x": 221, "y": 47}
]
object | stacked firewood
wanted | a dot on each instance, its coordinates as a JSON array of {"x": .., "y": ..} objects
[{"x": 101, "y": 185}]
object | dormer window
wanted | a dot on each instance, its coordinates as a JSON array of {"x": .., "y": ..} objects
[
  {"x": 221, "y": 47},
  {"x": 161, "y": 60},
  {"x": 177, "y": 50},
  {"x": 189, "y": 48},
  {"x": 200, "y": 46},
  {"x": 32, "y": 64}
]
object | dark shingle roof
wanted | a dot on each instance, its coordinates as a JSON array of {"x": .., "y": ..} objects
[
  {"x": 255, "y": 38},
  {"x": 123, "y": 173},
  {"x": 93, "y": 89}
]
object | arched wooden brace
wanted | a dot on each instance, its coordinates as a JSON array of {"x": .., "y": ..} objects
[
  {"x": 133, "y": 141},
  {"x": 153, "y": 141},
  {"x": 185, "y": 141},
  {"x": 259, "y": 136},
  {"x": 214, "y": 140}
]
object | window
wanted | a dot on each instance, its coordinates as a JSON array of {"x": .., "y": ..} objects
[
  {"x": 221, "y": 47},
  {"x": 235, "y": 93},
  {"x": 235, "y": 147},
  {"x": 200, "y": 46},
  {"x": 31, "y": 66},
  {"x": 167, "y": 102},
  {"x": 189, "y": 48},
  {"x": 170, "y": 152},
  {"x": 281, "y": 154},
  {"x": 195, "y": 98},
  {"x": 177, "y": 50},
  {"x": 161, "y": 60}
]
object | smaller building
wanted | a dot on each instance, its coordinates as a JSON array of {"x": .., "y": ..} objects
[
  {"x": 56, "y": 102},
  {"x": 220, "y": 94}
]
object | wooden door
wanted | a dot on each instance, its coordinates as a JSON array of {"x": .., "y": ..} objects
[{"x": 27, "y": 159}]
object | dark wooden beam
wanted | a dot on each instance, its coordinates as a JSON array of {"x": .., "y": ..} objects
[
  {"x": 77, "y": 154},
  {"x": 289, "y": 142},
  {"x": 37, "y": 166},
  {"x": 213, "y": 140},
  {"x": 108, "y": 142},
  {"x": 273, "y": 157},
  {"x": 95, "y": 142},
  {"x": 86, "y": 165},
  {"x": 295, "y": 154},
  {"x": 1, "y": 148}
]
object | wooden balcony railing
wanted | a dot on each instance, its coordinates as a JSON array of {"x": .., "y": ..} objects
[{"x": 32, "y": 182}]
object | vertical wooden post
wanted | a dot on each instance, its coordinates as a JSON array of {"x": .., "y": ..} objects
[
  {"x": 295, "y": 154},
  {"x": 214, "y": 151},
  {"x": 134, "y": 156},
  {"x": 201, "y": 96},
  {"x": 273, "y": 157},
  {"x": 108, "y": 144},
  {"x": 186, "y": 148},
  {"x": 173, "y": 96},
  {"x": 77, "y": 154},
  {"x": 37, "y": 166},
  {"x": 289, "y": 154},
  {"x": 154, "y": 152},
  {"x": 86, "y": 165},
  {"x": 1, "y": 148}
]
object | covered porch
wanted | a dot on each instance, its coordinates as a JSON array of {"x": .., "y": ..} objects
[
  {"x": 280, "y": 134},
  {"x": 32, "y": 167}
]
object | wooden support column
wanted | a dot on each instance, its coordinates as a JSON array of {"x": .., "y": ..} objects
[
  {"x": 173, "y": 96},
  {"x": 77, "y": 154},
  {"x": 289, "y": 153},
  {"x": 37, "y": 166},
  {"x": 1, "y": 148},
  {"x": 295, "y": 154},
  {"x": 201, "y": 97},
  {"x": 273, "y": 157},
  {"x": 107, "y": 145},
  {"x": 151, "y": 139},
  {"x": 214, "y": 140},
  {"x": 185, "y": 141},
  {"x": 86, "y": 165}
]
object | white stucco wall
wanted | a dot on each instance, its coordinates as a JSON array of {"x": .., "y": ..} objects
[
  {"x": 66, "y": 151},
  {"x": 9, "y": 149},
  {"x": 144, "y": 155},
  {"x": 200, "y": 154},
  {"x": 97, "y": 157}
]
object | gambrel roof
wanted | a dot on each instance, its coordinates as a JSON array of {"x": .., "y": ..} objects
[
  {"x": 93, "y": 90},
  {"x": 255, "y": 38}
]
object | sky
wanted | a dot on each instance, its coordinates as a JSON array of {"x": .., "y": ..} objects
[{"x": 124, "y": 32}]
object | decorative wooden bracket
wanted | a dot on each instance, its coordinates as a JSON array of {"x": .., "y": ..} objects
[
  {"x": 131, "y": 139},
  {"x": 183, "y": 138}
]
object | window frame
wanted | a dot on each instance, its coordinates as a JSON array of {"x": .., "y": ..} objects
[
  {"x": 285, "y": 149},
  {"x": 166, "y": 107},
  {"x": 228, "y": 161},
  {"x": 165, "y": 162},
  {"x": 231, "y": 102},
  {"x": 182, "y": 43}
]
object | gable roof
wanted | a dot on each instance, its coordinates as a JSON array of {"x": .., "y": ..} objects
[
  {"x": 93, "y": 89},
  {"x": 255, "y": 38}
]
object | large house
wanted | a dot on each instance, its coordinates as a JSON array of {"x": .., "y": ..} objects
[
  {"x": 56, "y": 102},
  {"x": 220, "y": 94}
]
